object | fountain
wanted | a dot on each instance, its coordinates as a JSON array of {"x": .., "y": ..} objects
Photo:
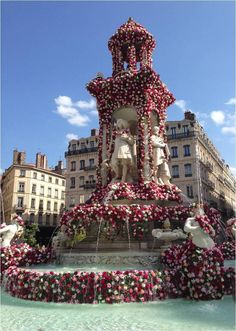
[{"x": 134, "y": 195}]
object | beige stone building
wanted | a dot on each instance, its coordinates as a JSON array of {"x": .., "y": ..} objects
[
  {"x": 81, "y": 164},
  {"x": 196, "y": 165},
  {"x": 33, "y": 191}
]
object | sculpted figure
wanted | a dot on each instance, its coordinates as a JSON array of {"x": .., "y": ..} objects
[
  {"x": 12, "y": 230},
  {"x": 60, "y": 238},
  {"x": 122, "y": 159},
  {"x": 160, "y": 152},
  {"x": 200, "y": 238}
]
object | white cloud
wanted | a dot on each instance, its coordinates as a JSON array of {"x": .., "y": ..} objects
[
  {"x": 86, "y": 105},
  {"x": 218, "y": 116},
  {"x": 69, "y": 110},
  {"x": 63, "y": 101},
  {"x": 229, "y": 130},
  {"x": 231, "y": 101},
  {"x": 94, "y": 112},
  {"x": 181, "y": 104},
  {"x": 71, "y": 136},
  {"x": 233, "y": 170}
]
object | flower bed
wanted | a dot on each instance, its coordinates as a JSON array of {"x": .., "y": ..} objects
[{"x": 85, "y": 287}]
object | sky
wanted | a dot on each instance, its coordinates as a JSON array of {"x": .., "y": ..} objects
[{"x": 50, "y": 50}]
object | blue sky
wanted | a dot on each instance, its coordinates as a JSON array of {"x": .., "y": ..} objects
[{"x": 52, "y": 49}]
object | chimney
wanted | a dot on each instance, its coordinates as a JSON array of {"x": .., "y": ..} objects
[
  {"x": 19, "y": 157},
  {"x": 41, "y": 161},
  {"x": 188, "y": 115},
  {"x": 94, "y": 132}
]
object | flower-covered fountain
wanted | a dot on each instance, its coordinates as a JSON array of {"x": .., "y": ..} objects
[{"x": 133, "y": 197}]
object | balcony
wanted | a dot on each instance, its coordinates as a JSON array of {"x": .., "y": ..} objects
[
  {"x": 180, "y": 135},
  {"x": 40, "y": 208},
  {"x": 209, "y": 166},
  {"x": 211, "y": 185},
  {"x": 221, "y": 179},
  {"x": 19, "y": 208},
  {"x": 92, "y": 167},
  {"x": 222, "y": 195},
  {"x": 82, "y": 151}
]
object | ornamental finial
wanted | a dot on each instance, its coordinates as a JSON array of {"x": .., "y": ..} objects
[{"x": 130, "y": 19}]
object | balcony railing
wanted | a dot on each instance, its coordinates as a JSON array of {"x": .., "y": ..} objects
[
  {"x": 20, "y": 208},
  {"x": 211, "y": 184},
  {"x": 92, "y": 167},
  {"x": 82, "y": 151},
  {"x": 209, "y": 166},
  {"x": 180, "y": 135}
]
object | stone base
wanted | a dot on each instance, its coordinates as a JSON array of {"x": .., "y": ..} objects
[{"x": 119, "y": 258}]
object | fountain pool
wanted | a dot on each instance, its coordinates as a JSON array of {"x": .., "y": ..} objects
[{"x": 168, "y": 315}]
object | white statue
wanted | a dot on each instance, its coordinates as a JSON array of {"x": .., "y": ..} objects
[
  {"x": 199, "y": 237},
  {"x": 161, "y": 168},
  {"x": 60, "y": 239},
  {"x": 13, "y": 230},
  {"x": 104, "y": 171},
  {"x": 122, "y": 160},
  {"x": 231, "y": 227}
]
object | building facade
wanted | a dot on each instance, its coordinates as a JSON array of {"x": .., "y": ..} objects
[
  {"x": 196, "y": 165},
  {"x": 81, "y": 165},
  {"x": 33, "y": 191}
]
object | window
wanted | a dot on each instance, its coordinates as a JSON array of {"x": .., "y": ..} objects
[
  {"x": 81, "y": 181},
  {"x": 40, "y": 204},
  {"x": 73, "y": 166},
  {"x": 91, "y": 144},
  {"x": 49, "y": 192},
  {"x": 48, "y": 219},
  {"x": 189, "y": 190},
  {"x": 175, "y": 171},
  {"x": 91, "y": 162},
  {"x": 21, "y": 187},
  {"x": 20, "y": 202},
  {"x": 81, "y": 198},
  {"x": 55, "y": 206},
  {"x": 54, "y": 219},
  {"x": 41, "y": 190},
  {"x": 188, "y": 170},
  {"x": 35, "y": 175},
  {"x": 187, "y": 150},
  {"x": 22, "y": 173},
  {"x": 57, "y": 181},
  {"x": 48, "y": 205},
  {"x": 73, "y": 147},
  {"x": 72, "y": 182},
  {"x": 82, "y": 145},
  {"x": 174, "y": 152},
  {"x": 34, "y": 189},
  {"x": 173, "y": 132},
  {"x": 32, "y": 217},
  {"x": 91, "y": 178},
  {"x": 72, "y": 201},
  {"x": 63, "y": 195},
  {"x": 33, "y": 203},
  {"x": 56, "y": 194},
  {"x": 82, "y": 164},
  {"x": 42, "y": 177},
  {"x": 40, "y": 219},
  {"x": 62, "y": 207},
  {"x": 50, "y": 179},
  {"x": 63, "y": 183},
  {"x": 186, "y": 130}
]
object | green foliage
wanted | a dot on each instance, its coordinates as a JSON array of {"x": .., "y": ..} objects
[
  {"x": 30, "y": 231},
  {"x": 79, "y": 236}
]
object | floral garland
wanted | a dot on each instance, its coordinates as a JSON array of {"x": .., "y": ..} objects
[
  {"x": 205, "y": 225},
  {"x": 23, "y": 255},
  {"x": 228, "y": 249},
  {"x": 139, "y": 191},
  {"x": 85, "y": 287}
]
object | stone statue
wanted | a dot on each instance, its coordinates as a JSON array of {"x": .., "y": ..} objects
[
  {"x": 160, "y": 152},
  {"x": 199, "y": 237},
  {"x": 59, "y": 240},
  {"x": 13, "y": 230},
  {"x": 104, "y": 171},
  {"x": 122, "y": 160}
]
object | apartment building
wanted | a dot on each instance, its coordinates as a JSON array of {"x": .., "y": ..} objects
[
  {"x": 197, "y": 167},
  {"x": 81, "y": 164},
  {"x": 33, "y": 191}
]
